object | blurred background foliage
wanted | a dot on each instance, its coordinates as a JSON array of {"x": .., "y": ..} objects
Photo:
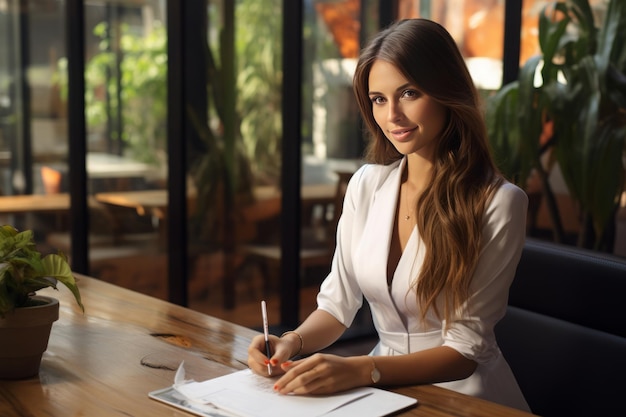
[{"x": 568, "y": 109}]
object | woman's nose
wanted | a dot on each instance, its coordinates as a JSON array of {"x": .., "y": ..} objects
[{"x": 395, "y": 112}]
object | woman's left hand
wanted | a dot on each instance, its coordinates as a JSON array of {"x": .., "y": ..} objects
[{"x": 324, "y": 374}]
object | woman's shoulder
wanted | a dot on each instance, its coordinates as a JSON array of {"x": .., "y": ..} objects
[
  {"x": 372, "y": 176},
  {"x": 510, "y": 191},
  {"x": 509, "y": 196}
]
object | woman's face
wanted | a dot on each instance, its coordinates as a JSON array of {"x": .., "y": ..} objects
[{"x": 411, "y": 120}]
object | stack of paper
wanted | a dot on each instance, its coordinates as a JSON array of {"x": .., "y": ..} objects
[{"x": 245, "y": 394}]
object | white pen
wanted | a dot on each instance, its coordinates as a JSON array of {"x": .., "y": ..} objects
[{"x": 267, "y": 336}]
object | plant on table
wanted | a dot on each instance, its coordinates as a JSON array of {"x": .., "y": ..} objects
[{"x": 24, "y": 271}]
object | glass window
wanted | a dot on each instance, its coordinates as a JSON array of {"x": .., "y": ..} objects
[
  {"x": 125, "y": 111},
  {"x": 478, "y": 28},
  {"x": 332, "y": 141},
  {"x": 530, "y": 21},
  {"x": 235, "y": 167},
  {"x": 32, "y": 118}
]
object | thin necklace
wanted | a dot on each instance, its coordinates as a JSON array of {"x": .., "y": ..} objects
[{"x": 407, "y": 217}]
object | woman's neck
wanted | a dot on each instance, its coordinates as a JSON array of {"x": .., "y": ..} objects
[{"x": 417, "y": 172}]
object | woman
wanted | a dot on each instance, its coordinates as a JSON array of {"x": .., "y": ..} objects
[{"x": 430, "y": 234}]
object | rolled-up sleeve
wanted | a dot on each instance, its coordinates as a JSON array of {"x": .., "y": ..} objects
[{"x": 340, "y": 294}]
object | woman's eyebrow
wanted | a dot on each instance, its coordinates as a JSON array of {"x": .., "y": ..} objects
[{"x": 400, "y": 88}]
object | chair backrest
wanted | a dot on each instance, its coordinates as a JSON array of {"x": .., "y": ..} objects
[
  {"x": 577, "y": 285},
  {"x": 564, "y": 334},
  {"x": 343, "y": 177},
  {"x": 563, "y": 368}
]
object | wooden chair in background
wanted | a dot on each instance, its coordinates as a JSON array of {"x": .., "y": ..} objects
[{"x": 317, "y": 240}]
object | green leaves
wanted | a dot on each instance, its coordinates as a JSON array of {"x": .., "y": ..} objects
[
  {"x": 56, "y": 266},
  {"x": 504, "y": 130},
  {"x": 23, "y": 271},
  {"x": 582, "y": 90}
]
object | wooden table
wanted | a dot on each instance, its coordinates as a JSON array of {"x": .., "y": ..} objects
[
  {"x": 105, "y": 362},
  {"x": 51, "y": 203},
  {"x": 144, "y": 202},
  {"x": 39, "y": 203},
  {"x": 56, "y": 205},
  {"x": 24, "y": 204},
  {"x": 267, "y": 205},
  {"x": 154, "y": 202}
]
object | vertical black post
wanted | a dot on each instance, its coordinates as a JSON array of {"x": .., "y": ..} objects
[
  {"x": 79, "y": 215},
  {"x": 196, "y": 72},
  {"x": 387, "y": 12},
  {"x": 176, "y": 146},
  {"x": 24, "y": 160},
  {"x": 512, "y": 35},
  {"x": 291, "y": 163}
]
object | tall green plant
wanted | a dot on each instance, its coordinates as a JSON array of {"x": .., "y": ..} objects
[
  {"x": 260, "y": 81},
  {"x": 126, "y": 92},
  {"x": 582, "y": 91},
  {"x": 241, "y": 142}
]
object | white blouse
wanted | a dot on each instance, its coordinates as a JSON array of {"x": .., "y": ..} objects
[{"x": 359, "y": 269}]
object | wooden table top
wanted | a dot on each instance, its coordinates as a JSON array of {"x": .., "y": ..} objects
[
  {"x": 104, "y": 362},
  {"x": 267, "y": 204},
  {"x": 38, "y": 203},
  {"x": 149, "y": 199},
  {"x": 11, "y": 204}
]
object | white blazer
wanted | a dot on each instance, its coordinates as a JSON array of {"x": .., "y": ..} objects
[{"x": 359, "y": 268}]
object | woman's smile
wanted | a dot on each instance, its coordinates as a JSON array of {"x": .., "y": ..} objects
[
  {"x": 402, "y": 135},
  {"x": 410, "y": 119}
]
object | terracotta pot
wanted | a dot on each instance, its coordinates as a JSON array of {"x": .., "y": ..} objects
[{"x": 24, "y": 335}]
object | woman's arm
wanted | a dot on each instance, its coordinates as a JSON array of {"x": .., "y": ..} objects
[
  {"x": 324, "y": 374},
  {"x": 433, "y": 365},
  {"x": 339, "y": 299},
  {"x": 318, "y": 331}
]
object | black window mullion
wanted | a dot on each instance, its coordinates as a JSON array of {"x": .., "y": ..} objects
[
  {"x": 291, "y": 163},
  {"x": 77, "y": 144},
  {"x": 177, "y": 246},
  {"x": 512, "y": 40}
]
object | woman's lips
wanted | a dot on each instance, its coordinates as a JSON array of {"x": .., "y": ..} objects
[{"x": 401, "y": 134}]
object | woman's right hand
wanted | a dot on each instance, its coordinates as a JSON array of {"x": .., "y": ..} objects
[{"x": 281, "y": 351}]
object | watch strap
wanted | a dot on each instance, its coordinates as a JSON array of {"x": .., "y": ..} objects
[{"x": 375, "y": 373}]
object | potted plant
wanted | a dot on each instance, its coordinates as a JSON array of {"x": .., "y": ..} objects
[
  {"x": 26, "y": 318},
  {"x": 570, "y": 101}
]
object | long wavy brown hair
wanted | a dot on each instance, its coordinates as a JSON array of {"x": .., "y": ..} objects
[{"x": 464, "y": 177}]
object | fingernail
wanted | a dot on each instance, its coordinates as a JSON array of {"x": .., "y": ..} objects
[
  {"x": 266, "y": 362},
  {"x": 287, "y": 363},
  {"x": 276, "y": 388},
  {"x": 274, "y": 362}
]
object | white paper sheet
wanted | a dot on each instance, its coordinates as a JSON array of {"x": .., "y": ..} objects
[
  {"x": 246, "y": 394},
  {"x": 249, "y": 395}
]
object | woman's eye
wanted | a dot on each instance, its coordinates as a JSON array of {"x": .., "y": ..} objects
[
  {"x": 377, "y": 99},
  {"x": 410, "y": 94}
]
